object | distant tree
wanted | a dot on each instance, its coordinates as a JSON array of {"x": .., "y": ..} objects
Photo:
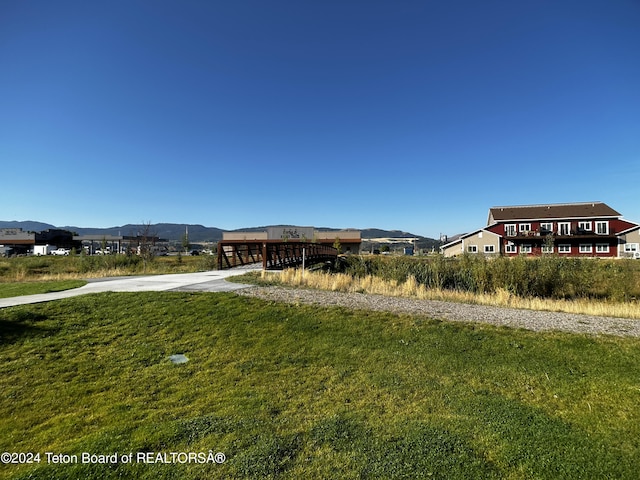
[
  {"x": 185, "y": 241},
  {"x": 146, "y": 240},
  {"x": 385, "y": 248},
  {"x": 337, "y": 245},
  {"x": 549, "y": 242}
]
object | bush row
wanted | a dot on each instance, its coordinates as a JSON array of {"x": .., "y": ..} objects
[
  {"x": 30, "y": 268},
  {"x": 545, "y": 277}
]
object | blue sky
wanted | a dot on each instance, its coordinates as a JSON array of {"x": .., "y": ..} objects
[{"x": 409, "y": 115}]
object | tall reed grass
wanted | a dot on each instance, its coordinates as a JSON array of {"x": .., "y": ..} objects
[
  {"x": 411, "y": 288},
  {"x": 552, "y": 277},
  {"x": 23, "y": 269}
]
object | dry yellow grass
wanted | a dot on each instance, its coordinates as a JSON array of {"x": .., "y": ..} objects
[
  {"x": 23, "y": 276},
  {"x": 411, "y": 289},
  {"x": 107, "y": 272}
]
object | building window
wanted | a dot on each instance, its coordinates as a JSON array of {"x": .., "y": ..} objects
[
  {"x": 547, "y": 248},
  {"x": 489, "y": 249},
  {"x": 630, "y": 247},
  {"x": 564, "y": 228},
  {"x": 525, "y": 248},
  {"x": 546, "y": 228},
  {"x": 602, "y": 248},
  {"x": 564, "y": 248},
  {"x": 524, "y": 228},
  {"x": 472, "y": 249},
  {"x": 585, "y": 248},
  {"x": 584, "y": 226},
  {"x": 602, "y": 228},
  {"x": 511, "y": 248},
  {"x": 510, "y": 230}
]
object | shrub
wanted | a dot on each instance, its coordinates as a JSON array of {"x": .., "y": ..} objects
[
  {"x": 544, "y": 277},
  {"x": 109, "y": 262}
]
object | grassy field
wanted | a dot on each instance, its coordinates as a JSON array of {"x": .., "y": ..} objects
[
  {"x": 307, "y": 392},
  {"x": 553, "y": 276},
  {"x": 32, "y": 275},
  {"x": 50, "y": 267},
  {"x": 14, "y": 289},
  {"x": 409, "y": 288}
]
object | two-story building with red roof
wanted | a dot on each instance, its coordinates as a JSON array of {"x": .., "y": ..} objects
[{"x": 589, "y": 229}]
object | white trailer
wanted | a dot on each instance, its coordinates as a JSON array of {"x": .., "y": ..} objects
[{"x": 43, "y": 249}]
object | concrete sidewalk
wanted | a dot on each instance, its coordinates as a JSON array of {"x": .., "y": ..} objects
[{"x": 212, "y": 281}]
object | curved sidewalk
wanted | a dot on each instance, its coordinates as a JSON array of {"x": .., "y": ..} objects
[{"x": 212, "y": 281}]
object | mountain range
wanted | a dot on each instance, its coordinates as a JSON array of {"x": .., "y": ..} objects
[{"x": 198, "y": 233}]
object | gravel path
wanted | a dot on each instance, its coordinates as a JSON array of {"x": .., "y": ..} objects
[{"x": 528, "y": 319}]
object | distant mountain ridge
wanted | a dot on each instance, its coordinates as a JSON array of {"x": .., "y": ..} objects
[
  {"x": 168, "y": 231},
  {"x": 197, "y": 233},
  {"x": 27, "y": 226}
]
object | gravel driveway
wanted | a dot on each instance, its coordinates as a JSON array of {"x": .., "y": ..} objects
[{"x": 459, "y": 312}]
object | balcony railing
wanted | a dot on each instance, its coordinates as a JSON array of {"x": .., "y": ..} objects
[{"x": 544, "y": 233}]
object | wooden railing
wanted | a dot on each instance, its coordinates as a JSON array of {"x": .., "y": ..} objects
[{"x": 273, "y": 254}]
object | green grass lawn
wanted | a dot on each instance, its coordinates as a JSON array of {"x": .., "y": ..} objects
[
  {"x": 18, "y": 269},
  {"x": 306, "y": 392},
  {"x": 15, "y": 289}
]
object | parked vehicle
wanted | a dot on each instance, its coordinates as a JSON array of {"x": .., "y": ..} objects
[
  {"x": 60, "y": 251},
  {"x": 43, "y": 249}
]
